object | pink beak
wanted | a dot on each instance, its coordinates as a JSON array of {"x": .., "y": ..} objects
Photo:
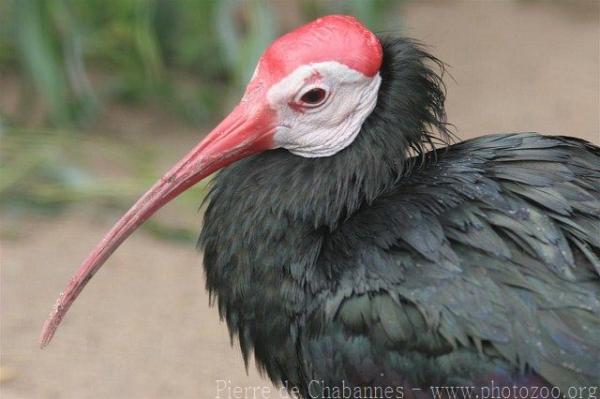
[{"x": 247, "y": 130}]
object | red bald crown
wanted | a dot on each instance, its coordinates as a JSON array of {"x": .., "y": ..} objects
[{"x": 339, "y": 38}]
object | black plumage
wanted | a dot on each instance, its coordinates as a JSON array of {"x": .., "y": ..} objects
[{"x": 393, "y": 263}]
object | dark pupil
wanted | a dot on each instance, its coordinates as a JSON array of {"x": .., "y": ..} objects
[{"x": 313, "y": 96}]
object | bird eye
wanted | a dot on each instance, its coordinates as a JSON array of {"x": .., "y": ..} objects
[{"x": 314, "y": 97}]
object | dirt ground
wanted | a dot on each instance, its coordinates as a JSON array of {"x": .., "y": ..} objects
[{"x": 143, "y": 327}]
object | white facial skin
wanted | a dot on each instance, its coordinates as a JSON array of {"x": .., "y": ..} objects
[{"x": 328, "y": 119}]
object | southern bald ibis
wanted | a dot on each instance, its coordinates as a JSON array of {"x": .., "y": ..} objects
[{"x": 345, "y": 250}]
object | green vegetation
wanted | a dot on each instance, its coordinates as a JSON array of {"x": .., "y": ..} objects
[{"x": 143, "y": 50}]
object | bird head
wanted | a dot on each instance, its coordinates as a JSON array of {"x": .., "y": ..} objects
[
  {"x": 319, "y": 83},
  {"x": 310, "y": 93}
]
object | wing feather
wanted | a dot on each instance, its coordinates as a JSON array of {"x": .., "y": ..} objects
[{"x": 498, "y": 252}]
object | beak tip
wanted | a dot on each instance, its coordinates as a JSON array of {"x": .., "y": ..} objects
[
  {"x": 47, "y": 333},
  {"x": 51, "y": 324}
]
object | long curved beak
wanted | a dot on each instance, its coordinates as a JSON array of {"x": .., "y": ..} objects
[{"x": 247, "y": 130}]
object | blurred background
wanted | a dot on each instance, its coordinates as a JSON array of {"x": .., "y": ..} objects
[{"x": 99, "y": 97}]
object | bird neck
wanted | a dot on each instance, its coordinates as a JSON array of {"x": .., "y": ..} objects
[
  {"x": 408, "y": 121},
  {"x": 410, "y": 117},
  {"x": 322, "y": 192}
]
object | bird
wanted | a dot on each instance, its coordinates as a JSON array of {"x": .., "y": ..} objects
[{"x": 353, "y": 245}]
